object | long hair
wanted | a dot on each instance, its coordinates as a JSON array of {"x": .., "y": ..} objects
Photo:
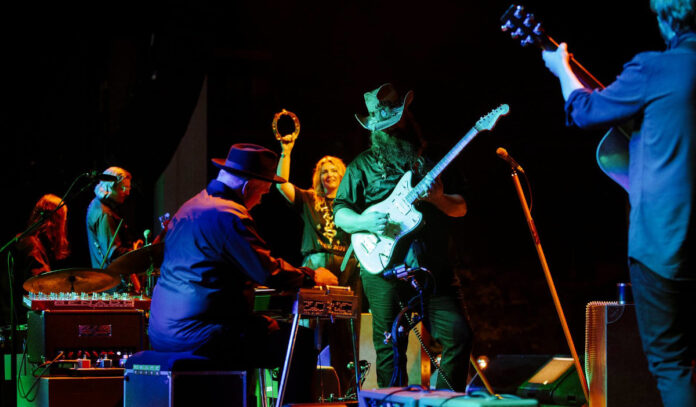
[
  {"x": 54, "y": 229},
  {"x": 105, "y": 189},
  {"x": 317, "y": 187},
  {"x": 680, "y": 15}
]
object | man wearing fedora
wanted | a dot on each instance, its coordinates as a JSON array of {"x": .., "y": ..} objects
[
  {"x": 369, "y": 179},
  {"x": 213, "y": 257}
]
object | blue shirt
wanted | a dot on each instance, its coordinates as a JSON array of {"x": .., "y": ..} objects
[
  {"x": 102, "y": 222},
  {"x": 658, "y": 91},
  {"x": 212, "y": 258}
]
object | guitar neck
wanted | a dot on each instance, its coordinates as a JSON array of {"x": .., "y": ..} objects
[
  {"x": 584, "y": 76},
  {"x": 524, "y": 26},
  {"x": 428, "y": 179}
]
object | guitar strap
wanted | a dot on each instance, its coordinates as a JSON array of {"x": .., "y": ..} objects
[{"x": 349, "y": 253}]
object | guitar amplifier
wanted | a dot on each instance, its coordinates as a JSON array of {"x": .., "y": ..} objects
[
  {"x": 615, "y": 365},
  {"x": 76, "y": 332}
]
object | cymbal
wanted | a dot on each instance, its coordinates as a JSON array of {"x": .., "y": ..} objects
[
  {"x": 138, "y": 261},
  {"x": 74, "y": 280}
]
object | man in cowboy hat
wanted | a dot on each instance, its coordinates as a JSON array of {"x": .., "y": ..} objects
[
  {"x": 213, "y": 257},
  {"x": 369, "y": 179}
]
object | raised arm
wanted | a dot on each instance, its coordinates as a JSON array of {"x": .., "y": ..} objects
[{"x": 287, "y": 189}]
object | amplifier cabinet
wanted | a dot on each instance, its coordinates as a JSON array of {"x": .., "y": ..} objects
[
  {"x": 159, "y": 388},
  {"x": 615, "y": 365},
  {"x": 51, "y": 331},
  {"x": 66, "y": 391}
]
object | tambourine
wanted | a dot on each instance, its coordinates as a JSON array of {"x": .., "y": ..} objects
[{"x": 295, "y": 120}]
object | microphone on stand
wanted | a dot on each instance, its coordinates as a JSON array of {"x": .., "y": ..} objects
[
  {"x": 502, "y": 153},
  {"x": 98, "y": 176},
  {"x": 147, "y": 234}
]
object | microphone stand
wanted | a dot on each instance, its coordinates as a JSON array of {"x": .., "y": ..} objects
[
  {"x": 7, "y": 247},
  {"x": 549, "y": 281}
]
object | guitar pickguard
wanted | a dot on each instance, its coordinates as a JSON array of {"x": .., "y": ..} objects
[{"x": 374, "y": 251}]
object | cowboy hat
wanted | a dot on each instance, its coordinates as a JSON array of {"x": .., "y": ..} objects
[
  {"x": 384, "y": 107},
  {"x": 250, "y": 160}
]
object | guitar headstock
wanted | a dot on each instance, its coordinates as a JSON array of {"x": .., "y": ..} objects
[
  {"x": 488, "y": 121},
  {"x": 524, "y": 26}
]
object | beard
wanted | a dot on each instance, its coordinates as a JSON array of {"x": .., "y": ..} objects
[{"x": 398, "y": 151}]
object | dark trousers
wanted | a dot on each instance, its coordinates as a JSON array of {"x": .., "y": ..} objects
[
  {"x": 263, "y": 345},
  {"x": 445, "y": 319},
  {"x": 338, "y": 333},
  {"x": 666, "y": 313}
]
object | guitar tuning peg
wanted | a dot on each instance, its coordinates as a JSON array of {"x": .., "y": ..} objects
[
  {"x": 528, "y": 40},
  {"x": 517, "y": 33},
  {"x": 519, "y": 12},
  {"x": 507, "y": 26},
  {"x": 538, "y": 30},
  {"x": 529, "y": 20}
]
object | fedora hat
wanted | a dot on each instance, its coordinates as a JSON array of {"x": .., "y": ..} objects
[
  {"x": 252, "y": 161},
  {"x": 384, "y": 107}
]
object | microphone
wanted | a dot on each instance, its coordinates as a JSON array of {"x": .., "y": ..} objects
[
  {"x": 98, "y": 176},
  {"x": 147, "y": 234},
  {"x": 362, "y": 363},
  {"x": 502, "y": 153}
]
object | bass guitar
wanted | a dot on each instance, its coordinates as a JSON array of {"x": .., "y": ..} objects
[
  {"x": 376, "y": 252},
  {"x": 612, "y": 151}
]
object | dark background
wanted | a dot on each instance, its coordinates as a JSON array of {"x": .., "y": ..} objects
[{"x": 87, "y": 87}]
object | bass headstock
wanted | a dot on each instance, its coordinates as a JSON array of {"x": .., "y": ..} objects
[{"x": 523, "y": 26}]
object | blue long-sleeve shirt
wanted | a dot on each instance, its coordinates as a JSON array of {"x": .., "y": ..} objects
[
  {"x": 658, "y": 91},
  {"x": 212, "y": 258}
]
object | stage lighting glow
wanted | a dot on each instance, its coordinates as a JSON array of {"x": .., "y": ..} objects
[
  {"x": 552, "y": 370},
  {"x": 482, "y": 361}
]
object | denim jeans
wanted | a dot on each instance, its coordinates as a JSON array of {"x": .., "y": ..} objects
[
  {"x": 445, "y": 319},
  {"x": 666, "y": 313}
]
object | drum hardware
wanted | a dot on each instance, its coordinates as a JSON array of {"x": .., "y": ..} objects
[
  {"x": 146, "y": 259},
  {"x": 78, "y": 280}
]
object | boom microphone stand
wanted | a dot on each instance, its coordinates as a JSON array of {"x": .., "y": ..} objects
[{"x": 502, "y": 153}]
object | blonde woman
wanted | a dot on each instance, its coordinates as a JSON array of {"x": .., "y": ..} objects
[{"x": 323, "y": 244}]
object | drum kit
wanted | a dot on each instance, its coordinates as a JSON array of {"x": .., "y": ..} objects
[{"x": 144, "y": 261}]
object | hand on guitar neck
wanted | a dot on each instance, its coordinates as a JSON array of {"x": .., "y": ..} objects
[
  {"x": 558, "y": 62},
  {"x": 612, "y": 152}
]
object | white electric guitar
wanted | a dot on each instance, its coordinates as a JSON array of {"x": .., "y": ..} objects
[{"x": 376, "y": 252}]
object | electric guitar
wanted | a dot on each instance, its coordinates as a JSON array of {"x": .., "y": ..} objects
[
  {"x": 376, "y": 252},
  {"x": 612, "y": 151}
]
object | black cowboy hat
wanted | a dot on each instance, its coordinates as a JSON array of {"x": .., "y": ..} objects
[
  {"x": 385, "y": 107},
  {"x": 252, "y": 161}
]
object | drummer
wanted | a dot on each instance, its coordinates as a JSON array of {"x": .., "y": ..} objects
[
  {"x": 41, "y": 250},
  {"x": 107, "y": 231}
]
